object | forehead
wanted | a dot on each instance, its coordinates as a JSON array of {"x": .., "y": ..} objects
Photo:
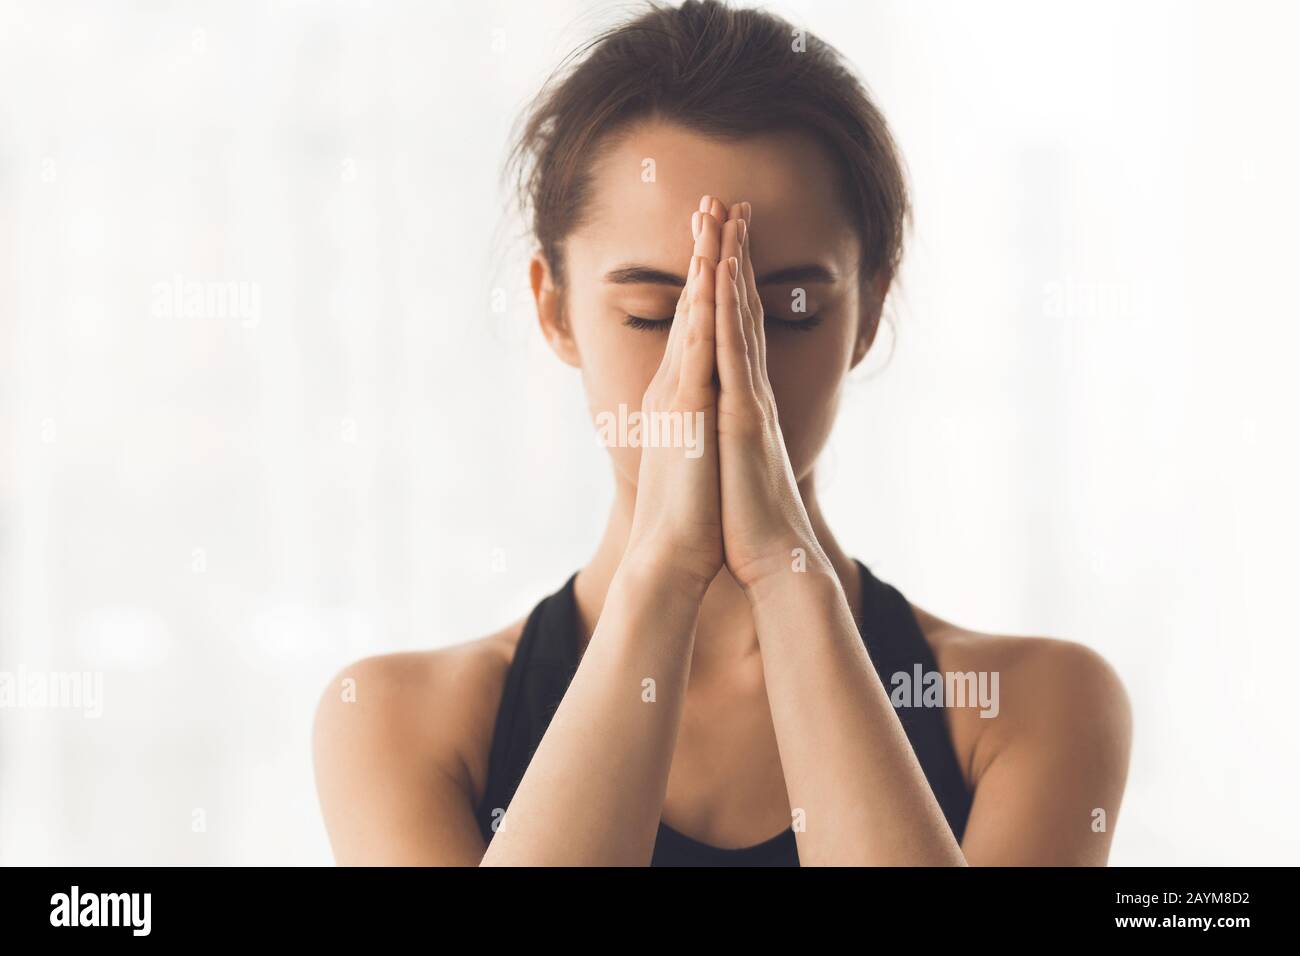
[{"x": 646, "y": 183}]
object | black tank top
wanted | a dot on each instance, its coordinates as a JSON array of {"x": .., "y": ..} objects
[{"x": 546, "y": 659}]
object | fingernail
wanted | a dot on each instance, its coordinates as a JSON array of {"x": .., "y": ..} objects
[
  {"x": 731, "y": 267},
  {"x": 695, "y": 224},
  {"x": 742, "y": 228},
  {"x": 705, "y": 203},
  {"x": 749, "y": 211}
]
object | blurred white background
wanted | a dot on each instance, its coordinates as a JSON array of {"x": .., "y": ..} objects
[{"x": 1085, "y": 430}]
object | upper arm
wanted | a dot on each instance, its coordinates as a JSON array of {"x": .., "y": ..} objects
[
  {"x": 1053, "y": 777},
  {"x": 393, "y": 787}
]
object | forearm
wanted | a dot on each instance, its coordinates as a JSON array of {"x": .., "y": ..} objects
[
  {"x": 594, "y": 791},
  {"x": 847, "y": 760}
]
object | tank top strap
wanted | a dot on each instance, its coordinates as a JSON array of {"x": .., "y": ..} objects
[
  {"x": 902, "y": 656},
  {"x": 545, "y": 660}
]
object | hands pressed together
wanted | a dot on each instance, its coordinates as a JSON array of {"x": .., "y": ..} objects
[{"x": 738, "y": 504}]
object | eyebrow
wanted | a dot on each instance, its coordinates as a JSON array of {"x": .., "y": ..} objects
[{"x": 644, "y": 275}]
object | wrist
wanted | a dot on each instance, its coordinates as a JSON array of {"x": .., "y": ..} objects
[
  {"x": 657, "y": 575},
  {"x": 793, "y": 563},
  {"x": 797, "y": 606}
]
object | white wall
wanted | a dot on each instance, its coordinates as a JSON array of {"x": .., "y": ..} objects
[{"x": 1083, "y": 431}]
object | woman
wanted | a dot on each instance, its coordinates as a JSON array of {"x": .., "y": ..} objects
[{"x": 719, "y": 210}]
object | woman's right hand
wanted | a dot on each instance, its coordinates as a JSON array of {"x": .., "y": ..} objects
[{"x": 677, "y": 524}]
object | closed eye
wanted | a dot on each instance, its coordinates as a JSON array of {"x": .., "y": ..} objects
[
  {"x": 648, "y": 325},
  {"x": 644, "y": 324},
  {"x": 805, "y": 324}
]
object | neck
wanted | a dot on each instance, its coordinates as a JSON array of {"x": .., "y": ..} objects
[{"x": 725, "y": 636}]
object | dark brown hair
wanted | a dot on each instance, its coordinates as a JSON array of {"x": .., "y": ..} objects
[{"x": 720, "y": 71}]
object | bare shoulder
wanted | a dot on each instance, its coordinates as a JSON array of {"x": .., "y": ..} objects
[
  {"x": 1047, "y": 689},
  {"x": 426, "y": 711}
]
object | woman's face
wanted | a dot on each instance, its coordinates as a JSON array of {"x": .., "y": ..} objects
[{"x": 629, "y": 259}]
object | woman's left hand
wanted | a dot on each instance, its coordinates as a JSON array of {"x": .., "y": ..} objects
[{"x": 764, "y": 523}]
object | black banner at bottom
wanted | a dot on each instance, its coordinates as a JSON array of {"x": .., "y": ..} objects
[{"x": 268, "y": 905}]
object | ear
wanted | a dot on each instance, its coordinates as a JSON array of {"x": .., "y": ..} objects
[
  {"x": 550, "y": 311},
  {"x": 874, "y": 292}
]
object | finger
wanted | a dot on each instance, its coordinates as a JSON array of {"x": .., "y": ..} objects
[
  {"x": 707, "y": 230},
  {"x": 734, "y": 373},
  {"x": 730, "y": 240},
  {"x": 737, "y": 231},
  {"x": 677, "y": 331},
  {"x": 737, "y": 213},
  {"x": 708, "y": 236},
  {"x": 679, "y": 316},
  {"x": 731, "y": 248},
  {"x": 672, "y": 353},
  {"x": 750, "y": 303},
  {"x": 699, "y": 344},
  {"x": 718, "y": 209},
  {"x": 708, "y": 243},
  {"x": 753, "y": 304}
]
